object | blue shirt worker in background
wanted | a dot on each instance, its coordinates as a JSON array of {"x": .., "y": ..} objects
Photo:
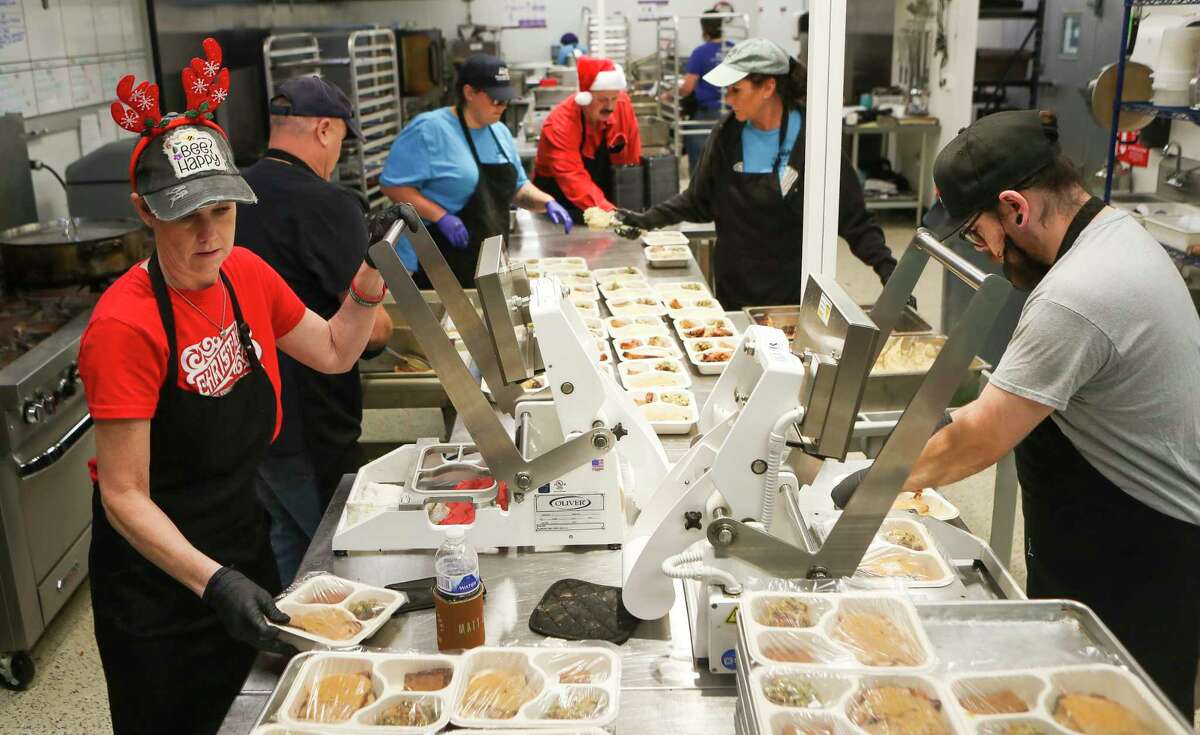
[
  {"x": 459, "y": 167},
  {"x": 707, "y": 98},
  {"x": 313, "y": 233},
  {"x": 750, "y": 184},
  {"x": 569, "y": 49}
]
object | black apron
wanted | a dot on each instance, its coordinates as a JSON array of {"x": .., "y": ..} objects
[
  {"x": 1088, "y": 540},
  {"x": 485, "y": 213},
  {"x": 759, "y": 230},
  {"x": 169, "y": 664},
  {"x": 599, "y": 170}
]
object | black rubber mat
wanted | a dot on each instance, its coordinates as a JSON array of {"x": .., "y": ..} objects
[{"x": 576, "y": 610}]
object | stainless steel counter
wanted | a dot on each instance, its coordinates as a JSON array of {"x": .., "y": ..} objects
[{"x": 659, "y": 680}]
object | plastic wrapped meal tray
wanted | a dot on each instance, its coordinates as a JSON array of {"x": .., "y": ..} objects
[
  {"x": 330, "y": 611},
  {"x": 664, "y": 373},
  {"x": 669, "y": 410}
]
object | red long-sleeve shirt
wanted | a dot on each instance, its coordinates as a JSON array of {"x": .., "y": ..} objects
[{"x": 559, "y": 154}]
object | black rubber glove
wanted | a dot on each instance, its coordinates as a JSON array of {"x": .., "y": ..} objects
[
  {"x": 381, "y": 220},
  {"x": 244, "y": 608},
  {"x": 640, "y": 220}
]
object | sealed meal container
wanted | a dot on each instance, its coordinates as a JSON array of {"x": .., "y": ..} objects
[
  {"x": 850, "y": 630},
  {"x": 633, "y": 354},
  {"x": 683, "y": 307},
  {"x": 330, "y": 611},
  {"x": 793, "y": 700},
  {"x": 537, "y": 688},
  {"x": 595, "y": 325},
  {"x": 1057, "y": 700},
  {"x": 382, "y": 692},
  {"x": 619, "y": 327},
  {"x": 643, "y": 304},
  {"x": 669, "y": 410},
  {"x": 668, "y": 256},
  {"x": 902, "y": 551},
  {"x": 664, "y": 373},
  {"x": 691, "y": 289},
  {"x": 664, "y": 237},
  {"x": 614, "y": 286},
  {"x": 695, "y": 327},
  {"x": 624, "y": 271},
  {"x": 561, "y": 263},
  {"x": 657, "y": 341},
  {"x": 587, "y": 306},
  {"x": 710, "y": 356}
]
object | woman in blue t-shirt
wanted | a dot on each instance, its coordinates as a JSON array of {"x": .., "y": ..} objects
[
  {"x": 458, "y": 166},
  {"x": 707, "y": 98},
  {"x": 750, "y": 184}
]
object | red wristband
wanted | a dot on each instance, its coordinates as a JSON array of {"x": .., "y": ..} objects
[{"x": 361, "y": 298}]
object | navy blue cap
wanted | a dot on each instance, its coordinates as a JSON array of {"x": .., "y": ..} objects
[
  {"x": 487, "y": 74},
  {"x": 569, "y": 38},
  {"x": 311, "y": 96}
]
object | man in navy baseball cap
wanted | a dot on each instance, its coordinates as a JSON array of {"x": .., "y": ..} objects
[{"x": 312, "y": 96}]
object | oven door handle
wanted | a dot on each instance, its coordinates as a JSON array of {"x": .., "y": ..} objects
[{"x": 57, "y": 449}]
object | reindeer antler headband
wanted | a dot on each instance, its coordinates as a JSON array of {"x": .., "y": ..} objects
[{"x": 205, "y": 85}]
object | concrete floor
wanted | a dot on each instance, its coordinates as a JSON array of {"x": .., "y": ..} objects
[{"x": 69, "y": 696}]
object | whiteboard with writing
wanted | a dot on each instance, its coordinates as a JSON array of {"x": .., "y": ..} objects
[{"x": 61, "y": 55}]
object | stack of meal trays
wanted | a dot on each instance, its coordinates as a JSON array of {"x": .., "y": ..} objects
[
  {"x": 573, "y": 273},
  {"x": 547, "y": 690},
  {"x": 649, "y": 360},
  {"x": 693, "y": 310},
  {"x": 868, "y": 663}
]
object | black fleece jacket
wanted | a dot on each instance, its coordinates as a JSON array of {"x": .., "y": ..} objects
[{"x": 715, "y": 174}]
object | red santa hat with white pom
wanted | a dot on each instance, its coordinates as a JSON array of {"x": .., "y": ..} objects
[{"x": 597, "y": 75}]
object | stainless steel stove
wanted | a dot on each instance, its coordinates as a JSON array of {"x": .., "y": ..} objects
[{"x": 45, "y": 488}]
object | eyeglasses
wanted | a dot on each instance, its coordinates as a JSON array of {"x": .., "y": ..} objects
[{"x": 972, "y": 235}]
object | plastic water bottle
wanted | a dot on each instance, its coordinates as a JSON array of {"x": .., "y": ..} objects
[{"x": 458, "y": 597}]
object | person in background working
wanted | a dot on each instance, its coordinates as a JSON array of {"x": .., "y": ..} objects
[
  {"x": 313, "y": 233},
  {"x": 750, "y": 183},
  {"x": 569, "y": 49},
  {"x": 180, "y": 368},
  {"x": 585, "y": 136},
  {"x": 458, "y": 166},
  {"x": 705, "y": 97},
  {"x": 1094, "y": 392}
]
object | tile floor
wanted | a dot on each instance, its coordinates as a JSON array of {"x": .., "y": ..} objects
[{"x": 68, "y": 696}]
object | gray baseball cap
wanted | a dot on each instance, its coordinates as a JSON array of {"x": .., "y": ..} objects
[
  {"x": 186, "y": 168},
  {"x": 752, "y": 56}
]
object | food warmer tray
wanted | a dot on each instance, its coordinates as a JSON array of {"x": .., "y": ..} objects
[
  {"x": 978, "y": 637},
  {"x": 789, "y": 315}
]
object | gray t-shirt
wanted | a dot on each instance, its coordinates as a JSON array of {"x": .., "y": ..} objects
[{"x": 1111, "y": 340}]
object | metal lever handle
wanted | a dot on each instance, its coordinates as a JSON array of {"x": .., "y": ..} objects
[{"x": 949, "y": 259}]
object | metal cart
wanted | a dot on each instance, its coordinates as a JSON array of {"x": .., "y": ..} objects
[
  {"x": 363, "y": 64},
  {"x": 671, "y": 68}
]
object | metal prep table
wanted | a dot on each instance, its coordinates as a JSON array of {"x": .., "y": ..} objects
[{"x": 660, "y": 682}]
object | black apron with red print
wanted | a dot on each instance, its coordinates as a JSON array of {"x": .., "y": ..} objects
[{"x": 169, "y": 664}]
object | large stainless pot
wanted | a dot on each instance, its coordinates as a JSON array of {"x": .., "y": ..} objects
[{"x": 70, "y": 251}]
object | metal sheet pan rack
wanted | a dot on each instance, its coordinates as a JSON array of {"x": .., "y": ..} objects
[
  {"x": 672, "y": 65},
  {"x": 616, "y": 35},
  {"x": 363, "y": 64}
]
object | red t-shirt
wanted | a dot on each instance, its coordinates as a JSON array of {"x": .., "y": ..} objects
[{"x": 123, "y": 353}]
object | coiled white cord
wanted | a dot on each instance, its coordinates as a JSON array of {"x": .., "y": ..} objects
[{"x": 689, "y": 565}]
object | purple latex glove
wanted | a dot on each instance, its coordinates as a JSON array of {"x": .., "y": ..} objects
[
  {"x": 454, "y": 231},
  {"x": 559, "y": 216}
]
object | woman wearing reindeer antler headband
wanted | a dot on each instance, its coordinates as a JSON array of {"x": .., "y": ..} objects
[{"x": 182, "y": 378}]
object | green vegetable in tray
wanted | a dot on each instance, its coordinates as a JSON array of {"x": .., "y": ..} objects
[
  {"x": 791, "y": 691},
  {"x": 366, "y": 609}
]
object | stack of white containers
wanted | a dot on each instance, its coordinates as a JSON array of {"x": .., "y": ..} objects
[{"x": 1176, "y": 66}]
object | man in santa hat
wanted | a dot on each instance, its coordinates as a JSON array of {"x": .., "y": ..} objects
[{"x": 585, "y": 136}]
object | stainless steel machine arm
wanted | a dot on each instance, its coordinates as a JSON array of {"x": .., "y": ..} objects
[{"x": 492, "y": 440}]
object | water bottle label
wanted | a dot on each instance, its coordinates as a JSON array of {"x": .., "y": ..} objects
[{"x": 461, "y": 585}]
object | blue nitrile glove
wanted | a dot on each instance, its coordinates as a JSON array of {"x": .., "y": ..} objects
[
  {"x": 454, "y": 231},
  {"x": 559, "y": 216}
]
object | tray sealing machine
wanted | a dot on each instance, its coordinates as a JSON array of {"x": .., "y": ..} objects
[
  {"x": 573, "y": 467},
  {"x": 750, "y": 501}
]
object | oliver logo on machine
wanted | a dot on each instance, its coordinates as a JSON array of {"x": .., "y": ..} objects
[{"x": 570, "y": 502}]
